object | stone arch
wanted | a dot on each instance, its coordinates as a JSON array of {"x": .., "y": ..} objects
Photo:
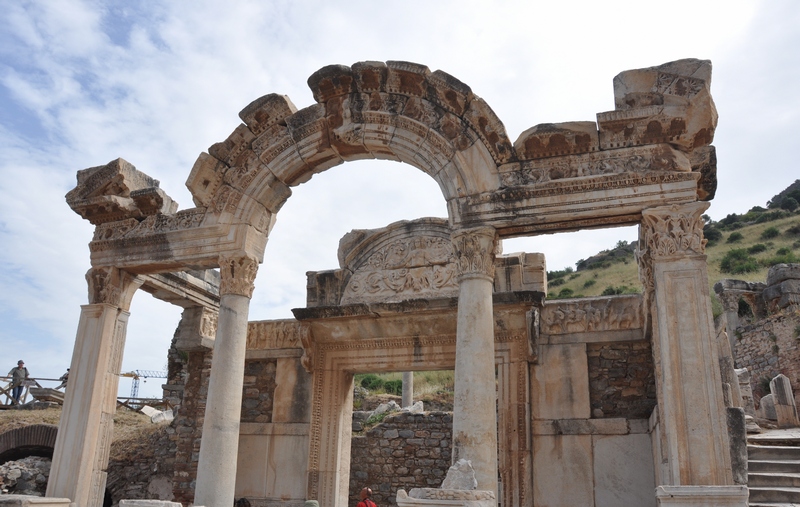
[
  {"x": 397, "y": 111},
  {"x": 33, "y": 440}
]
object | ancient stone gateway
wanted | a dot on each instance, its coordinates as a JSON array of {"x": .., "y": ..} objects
[{"x": 454, "y": 303}]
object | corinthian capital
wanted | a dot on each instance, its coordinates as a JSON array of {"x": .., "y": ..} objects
[
  {"x": 675, "y": 230},
  {"x": 237, "y": 273},
  {"x": 475, "y": 251},
  {"x": 112, "y": 286}
]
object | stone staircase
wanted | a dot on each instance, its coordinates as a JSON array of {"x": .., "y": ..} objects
[{"x": 774, "y": 474}]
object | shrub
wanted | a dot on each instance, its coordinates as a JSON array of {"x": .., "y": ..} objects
[
  {"x": 712, "y": 234},
  {"x": 770, "y": 232},
  {"x": 770, "y": 216},
  {"x": 372, "y": 382},
  {"x": 738, "y": 261},
  {"x": 589, "y": 283},
  {"x": 565, "y": 293},
  {"x": 556, "y": 282},
  {"x": 793, "y": 230},
  {"x": 613, "y": 291},
  {"x": 757, "y": 248},
  {"x": 394, "y": 387},
  {"x": 784, "y": 256},
  {"x": 735, "y": 237},
  {"x": 789, "y": 204}
]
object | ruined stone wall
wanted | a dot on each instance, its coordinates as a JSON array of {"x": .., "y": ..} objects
[
  {"x": 404, "y": 451},
  {"x": 188, "y": 424},
  {"x": 147, "y": 469},
  {"x": 769, "y": 347},
  {"x": 259, "y": 389},
  {"x": 621, "y": 379}
]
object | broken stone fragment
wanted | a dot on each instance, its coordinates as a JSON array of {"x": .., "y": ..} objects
[{"x": 461, "y": 475}]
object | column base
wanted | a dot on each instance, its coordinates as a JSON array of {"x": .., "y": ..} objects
[
  {"x": 706, "y": 496},
  {"x": 435, "y": 497}
]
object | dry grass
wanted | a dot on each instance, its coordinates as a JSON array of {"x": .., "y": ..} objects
[
  {"x": 132, "y": 430},
  {"x": 628, "y": 273}
]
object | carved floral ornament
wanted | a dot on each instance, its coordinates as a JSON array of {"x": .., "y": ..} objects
[
  {"x": 237, "y": 274},
  {"x": 675, "y": 230},
  {"x": 475, "y": 251},
  {"x": 111, "y": 286}
]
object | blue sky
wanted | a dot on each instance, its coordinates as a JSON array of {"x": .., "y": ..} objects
[{"x": 85, "y": 82}]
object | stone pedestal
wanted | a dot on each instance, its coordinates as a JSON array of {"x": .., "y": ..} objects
[
  {"x": 694, "y": 447},
  {"x": 702, "y": 496},
  {"x": 434, "y": 497},
  {"x": 85, "y": 430},
  {"x": 216, "y": 468},
  {"x": 785, "y": 408},
  {"x": 475, "y": 398},
  {"x": 32, "y": 501}
]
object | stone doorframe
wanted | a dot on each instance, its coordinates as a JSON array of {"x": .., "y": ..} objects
[{"x": 334, "y": 362}]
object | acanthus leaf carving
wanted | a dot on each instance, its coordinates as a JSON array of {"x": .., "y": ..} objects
[
  {"x": 111, "y": 286},
  {"x": 673, "y": 230},
  {"x": 475, "y": 251},
  {"x": 237, "y": 274}
]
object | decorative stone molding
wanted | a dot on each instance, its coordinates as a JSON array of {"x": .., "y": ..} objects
[
  {"x": 112, "y": 286},
  {"x": 475, "y": 250},
  {"x": 237, "y": 274},
  {"x": 671, "y": 231}
]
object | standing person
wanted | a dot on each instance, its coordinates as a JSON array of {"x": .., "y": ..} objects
[
  {"x": 18, "y": 377},
  {"x": 366, "y": 500},
  {"x": 63, "y": 378}
]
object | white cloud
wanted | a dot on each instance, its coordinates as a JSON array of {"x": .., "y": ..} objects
[{"x": 158, "y": 84}]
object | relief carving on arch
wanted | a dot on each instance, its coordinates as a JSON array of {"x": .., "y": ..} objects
[{"x": 415, "y": 267}]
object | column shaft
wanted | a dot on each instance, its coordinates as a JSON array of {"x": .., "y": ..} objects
[
  {"x": 219, "y": 447},
  {"x": 408, "y": 388},
  {"x": 475, "y": 399}
]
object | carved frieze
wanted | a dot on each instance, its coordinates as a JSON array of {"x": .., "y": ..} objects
[
  {"x": 155, "y": 224},
  {"x": 237, "y": 274},
  {"x": 673, "y": 230},
  {"x": 634, "y": 160},
  {"x": 277, "y": 334},
  {"x": 557, "y": 139},
  {"x": 475, "y": 251},
  {"x": 588, "y": 315},
  {"x": 416, "y": 267}
]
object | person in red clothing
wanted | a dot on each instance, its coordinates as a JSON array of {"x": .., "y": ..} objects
[{"x": 366, "y": 501}]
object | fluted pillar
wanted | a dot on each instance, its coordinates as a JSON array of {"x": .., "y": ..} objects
[
  {"x": 216, "y": 469},
  {"x": 693, "y": 457},
  {"x": 474, "y": 404},
  {"x": 80, "y": 457}
]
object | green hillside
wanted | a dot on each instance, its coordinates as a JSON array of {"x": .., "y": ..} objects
[{"x": 741, "y": 246}]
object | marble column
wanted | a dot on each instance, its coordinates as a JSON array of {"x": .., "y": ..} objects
[
  {"x": 219, "y": 447},
  {"x": 691, "y": 431},
  {"x": 475, "y": 399},
  {"x": 80, "y": 457},
  {"x": 408, "y": 388}
]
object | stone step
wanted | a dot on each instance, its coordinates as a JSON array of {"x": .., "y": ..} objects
[
  {"x": 764, "y": 466},
  {"x": 785, "y": 495},
  {"x": 773, "y": 479},
  {"x": 773, "y": 452},
  {"x": 773, "y": 504}
]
